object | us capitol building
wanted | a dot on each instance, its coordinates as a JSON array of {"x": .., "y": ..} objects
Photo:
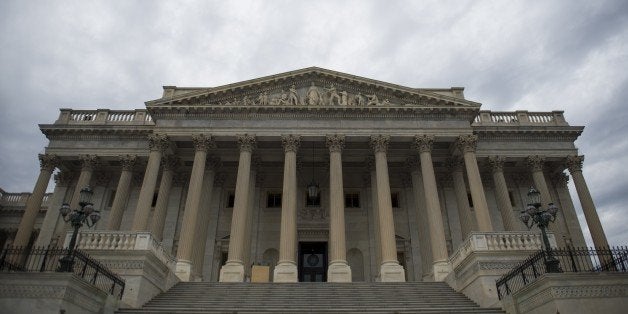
[{"x": 317, "y": 174}]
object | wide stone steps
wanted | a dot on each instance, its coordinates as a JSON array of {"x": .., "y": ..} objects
[{"x": 211, "y": 297}]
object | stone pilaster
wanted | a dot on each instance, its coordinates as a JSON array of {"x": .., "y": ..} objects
[
  {"x": 456, "y": 166},
  {"x": 390, "y": 270},
  {"x": 467, "y": 145},
  {"x": 47, "y": 163},
  {"x": 574, "y": 164},
  {"x": 286, "y": 269},
  {"x": 202, "y": 144},
  {"x": 169, "y": 166},
  {"x": 423, "y": 144},
  {"x": 338, "y": 270},
  {"x": 501, "y": 192},
  {"x": 233, "y": 270},
  {"x": 122, "y": 192},
  {"x": 157, "y": 143}
]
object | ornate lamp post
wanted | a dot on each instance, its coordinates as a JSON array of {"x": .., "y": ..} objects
[
  {"x": 535, "y": 215},
  {"x": 77, "y": 217}
]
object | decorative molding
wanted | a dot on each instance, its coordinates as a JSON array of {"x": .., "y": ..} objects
[
  {"x": 247, "y": 142},
  {"x": 467, "y": 143},
  {"x": 335, "y": 142},
  {"x": 496, "y": 163},
  {"x": 48, "y": 162},
  {"x": 535, "y": 163},
  {"x": 88, "y": 162},
  {"x": 158, "y": 142},
  {"x": 127, "y": 162},
  {"x": 203, "y": 142}
]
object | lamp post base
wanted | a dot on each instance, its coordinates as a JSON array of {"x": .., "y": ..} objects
[
  {"x": 552, "y": 265},
  {"x": 66, "y": 264}
]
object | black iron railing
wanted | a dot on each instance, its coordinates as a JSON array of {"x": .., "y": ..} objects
[
  {"x": 571, "y": 260},
  {"x": 46, "y": 259}
]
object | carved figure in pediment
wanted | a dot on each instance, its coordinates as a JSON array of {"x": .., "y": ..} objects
[
  {"x": 333, "y": 95},
  {"x": 293, "y": 99},
  {"x": 372, "y": 100},
  {"x": 359, "y": 100},
  {"x": 313, "y": 96},
  {"x": 284, "y": 98},
  {"x": 263, "y": 99},
  {"x": 386, "y": 102},
  {"x": 344, "y": 98},
  {"x": 246, "y": 101}
]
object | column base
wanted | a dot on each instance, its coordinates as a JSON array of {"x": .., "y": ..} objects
[
  {"x": 392, "y": 272},
  {"x": 338, "y": 271},
  {"x": 183, "y": 270},
  {"x": 441, "y": 270},
  {"x": 286, "y": 272},
  {"x": 232, "y": 272}
]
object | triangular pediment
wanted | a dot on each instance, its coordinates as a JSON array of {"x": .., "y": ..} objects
[{"x": 311, "y": 87}]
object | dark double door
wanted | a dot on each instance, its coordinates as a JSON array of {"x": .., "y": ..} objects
[{"x": 312, "y": 261}]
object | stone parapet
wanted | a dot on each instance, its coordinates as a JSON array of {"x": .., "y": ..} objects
[
  {"x": 105, "y": 117},
  {"x": 521, "y": 117}
]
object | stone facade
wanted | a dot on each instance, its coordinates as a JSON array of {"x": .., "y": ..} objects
[{"x": 381, "y": 181}]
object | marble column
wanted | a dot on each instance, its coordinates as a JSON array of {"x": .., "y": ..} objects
[
  {"x": 565, "y": 203},
  {"x": 456, "y": 166},
  {"x": 202, "y": 221},
  {"x": 535, "y": 165},
  {"x": 157, "y": 143},
  {"x": 467, "y": 145},
  {"x": 122, "y": 192},
  {"x": 501, "y": 192},
  {"x": 574, "y": 164},
  {"x": 89, "y": 162},
  {"x": 422, "y": 221},
  {"x": 441, "y": 267},
  {"x": 63, "y": 180},
  {"x": 233, "y": 270},
  {"x": 390, "y": 270},
  {"x": 47, "y": 163},
  {"x": 169, "y": 165},
  {"x": 202, "y": 143},
  {"x": 255, "y": 166},
  {"x": 338, "y": 270},
  {"x": 286, "y": 269},
  {"x": 372, "y": 177}
]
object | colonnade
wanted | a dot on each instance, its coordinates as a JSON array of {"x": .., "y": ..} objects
[{"x": 201, "y": 181}]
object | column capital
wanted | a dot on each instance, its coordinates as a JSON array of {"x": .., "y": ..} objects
[
  {"x": 203, "y": 142},
  {"x": 89, "y": 162},
  {"x": 48, "y": 162},
  {"x": 247, "y": 142},
  {"x": 379, "y": 143},
  {"x": 290, "y": 143},
  {"x": 535, "y": 162},
  {"x": 64, "y": 178},
  {"x": 127, "y": 161},
  {"x": 335, "y": 142},
  {"x": 170, "y": 162},
  {"x": 574, "y": 163},
  {"x": 423, "y": 143},
  {"x": 497, "y": 163},
  {"x": 559, "y": 179},
  {"x": 158, "y": 142},
  {"x": 467, "y": 142},
  {"x": 455, "y": 164}
]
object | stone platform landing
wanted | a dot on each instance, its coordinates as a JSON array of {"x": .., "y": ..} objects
[{"x": 409, "y": 297}]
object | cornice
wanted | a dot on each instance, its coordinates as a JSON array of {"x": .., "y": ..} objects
[
  {"x": 569, "y": 134},
  {"x": 88, "y": 132}
]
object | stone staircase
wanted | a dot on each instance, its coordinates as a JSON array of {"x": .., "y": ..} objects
[{"x": 212, "y": 297}]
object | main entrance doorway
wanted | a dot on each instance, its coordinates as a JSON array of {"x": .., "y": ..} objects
[{"x": 312, "y": 261}]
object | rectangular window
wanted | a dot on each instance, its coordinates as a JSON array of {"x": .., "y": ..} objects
[
  {"x": 352, "y": 200},
  {"x": 312, "y": 202},
  {"x": 273, "y": 200},
  {"x": 230, "y": 200},
  {"x": 394, "y": 197}
]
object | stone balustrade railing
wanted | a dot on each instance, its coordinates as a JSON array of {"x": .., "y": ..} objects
[
  {"x": 121, "y": 241},
  {"x": 20, "y": 199},
  {"x": 522, "y": 117},
  {"x": 499, "y": 241},
  {"x": 105, "y": 117}
]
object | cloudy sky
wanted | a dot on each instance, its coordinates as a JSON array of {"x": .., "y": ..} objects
[{"x": 509, "y": 55}]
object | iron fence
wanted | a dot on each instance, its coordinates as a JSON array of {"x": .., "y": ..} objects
[
  {"x": 571, "y": 260},
  {"x": 47, "y": 259}
]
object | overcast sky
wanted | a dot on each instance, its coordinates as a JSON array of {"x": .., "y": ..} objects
[{"x": 509, "y": 55}]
